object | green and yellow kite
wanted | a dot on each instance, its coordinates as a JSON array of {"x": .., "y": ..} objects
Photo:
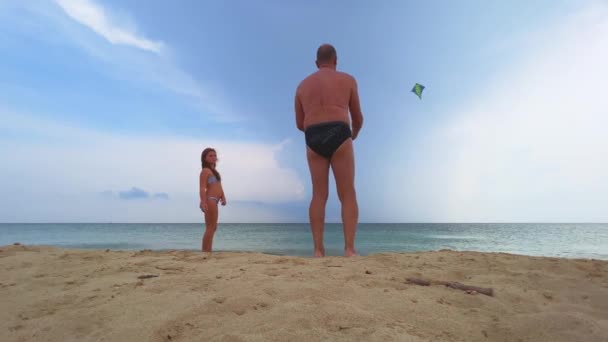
[{"x": 418, "y": 88}]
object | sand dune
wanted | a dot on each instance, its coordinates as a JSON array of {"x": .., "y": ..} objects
[{"x": 51, "y": 294}]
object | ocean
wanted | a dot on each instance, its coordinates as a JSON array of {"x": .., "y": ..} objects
[{"x": 569, "y": 240}]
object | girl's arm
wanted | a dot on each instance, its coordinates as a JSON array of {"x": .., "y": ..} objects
[
  {"x": 223, "y": 197},
  {"x": 203, "y": 188}
]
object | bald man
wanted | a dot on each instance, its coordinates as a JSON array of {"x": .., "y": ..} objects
[{"x": 323, "y": 102}]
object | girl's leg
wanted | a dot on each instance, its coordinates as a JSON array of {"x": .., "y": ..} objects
[{"x": 210, "y": 225}]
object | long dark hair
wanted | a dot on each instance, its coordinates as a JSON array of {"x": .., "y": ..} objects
[{"x": 205, "y": 164}]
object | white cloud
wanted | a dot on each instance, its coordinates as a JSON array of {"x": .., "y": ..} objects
[
  {"x": 62, "y": 167},
  {"x": 532, "y": 145},
  {"x": 93, "y": 29},
  {"x": 95, "y": 17},
  {"x": 159, "y": 69}
]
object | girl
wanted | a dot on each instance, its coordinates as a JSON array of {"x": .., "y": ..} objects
[{"x": 211, "y": 193}]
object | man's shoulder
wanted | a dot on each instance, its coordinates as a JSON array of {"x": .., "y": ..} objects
[
  {"x": 348, "y": 77},
  {"x": 309, "y": 77},
  {"x": 345, "y": 74},
  {"x": 338, "y": 74},
  {"x": 304, "y": 81}
]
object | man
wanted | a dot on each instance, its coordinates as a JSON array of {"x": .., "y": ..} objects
[{"x": 322, "y": 104}]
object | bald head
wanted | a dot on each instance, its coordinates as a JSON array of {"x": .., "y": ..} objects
[{"x": 326, "y": 54}]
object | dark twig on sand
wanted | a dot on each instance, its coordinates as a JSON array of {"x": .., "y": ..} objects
[
  {"x": 483, "y": 290},
  {"x": 453, "y": 285},
  {"x": 146, "y": 276},
  {"x": 417, "y": 281}
]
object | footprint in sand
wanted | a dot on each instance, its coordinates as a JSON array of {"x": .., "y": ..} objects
[
  {"x": 227, "y": 338},
  {"x": 280, "y": 261},
  {"x": 273, "y": 272},
  {"x": 175, "y": 331},
  {"x": 234, "y": 306},
  {"x": 299, "y": 262},
  {"x": 260, "y": 306},
  {"x": 15, "y": 328},
  {"x": 271, "y": 292},
  {"x": 443, "y": 301},
  {"x": 239, "y": 311},
  {"x": 242, "y": 305}
]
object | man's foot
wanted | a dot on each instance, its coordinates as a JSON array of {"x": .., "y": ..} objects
[{"x": 350, "y": 253}]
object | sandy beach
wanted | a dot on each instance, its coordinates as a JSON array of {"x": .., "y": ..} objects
[{"x": 52, "y": 294}]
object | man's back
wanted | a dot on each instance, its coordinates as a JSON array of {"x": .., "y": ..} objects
[{"x": 326, "y": 95}]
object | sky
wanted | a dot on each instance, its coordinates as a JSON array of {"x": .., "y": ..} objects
[{"x": 105, "y": 107}]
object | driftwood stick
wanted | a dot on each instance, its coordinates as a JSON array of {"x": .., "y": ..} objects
[
  {"x": 419, "y": 281},
  {"x": 453, "y": 285},
  {"x": 483, "y": 290},
  {"x": 146, "y": 276}
]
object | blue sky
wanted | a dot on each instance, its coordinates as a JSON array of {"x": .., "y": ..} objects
[{"x": 105, "y": 107}]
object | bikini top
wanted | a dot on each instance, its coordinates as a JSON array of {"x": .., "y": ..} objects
[{"x": 211, "y": 180}]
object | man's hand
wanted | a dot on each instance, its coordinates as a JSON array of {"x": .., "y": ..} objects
[{"x": 355, "y": 110}]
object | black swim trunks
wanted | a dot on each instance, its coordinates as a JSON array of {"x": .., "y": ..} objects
[{"x": 325, "y": 138}]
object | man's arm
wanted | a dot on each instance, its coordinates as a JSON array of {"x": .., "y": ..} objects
[
  {"x": 299, "y": 113},
  {"x": 355, "y": 110}
]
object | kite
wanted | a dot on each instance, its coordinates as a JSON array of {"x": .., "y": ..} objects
[{"x": 418, "y": 88}]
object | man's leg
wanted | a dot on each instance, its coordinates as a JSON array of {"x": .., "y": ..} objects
[
  {"x": 319, "y": 173},
  {"x": 343, "y": 166}
]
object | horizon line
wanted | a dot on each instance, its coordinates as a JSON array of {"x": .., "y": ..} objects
[{"x": 421, "y": 222}]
